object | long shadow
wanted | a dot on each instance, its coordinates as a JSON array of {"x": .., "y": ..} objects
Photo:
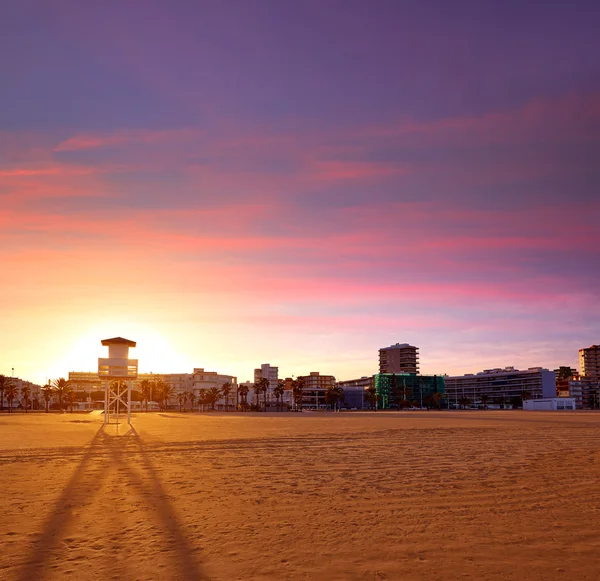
[
  {"x": 114, "y": 448},
  {"x": 186, "y": 563},
  {"x": 47, "y": 545}
]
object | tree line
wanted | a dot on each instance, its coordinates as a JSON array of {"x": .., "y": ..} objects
[{"x": 235, "y": 396}]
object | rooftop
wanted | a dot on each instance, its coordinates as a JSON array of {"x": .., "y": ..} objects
[{"x": 118, "y": 341}]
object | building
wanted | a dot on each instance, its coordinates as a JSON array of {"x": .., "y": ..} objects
[
  {"x": 590, "y": 392},
  {"x": 399, "y": 358},
  {"x": 568, "y": 384},
  {"x": 589, "y": 361},
  {"x": 402, "y": 390},
  {"x": 354, "y": 391},
  {"x": 315, "y": 387},
  {"x": 89, "y": 387},
  {"x": 549, "y": 404},
  {"x": 36, "y": 399},
  {"x": 502, "y": 387},
  {"x": 589, "y": 364},
  {"x": 203, "y": 379},
  {"x": 267, "y": 371}
]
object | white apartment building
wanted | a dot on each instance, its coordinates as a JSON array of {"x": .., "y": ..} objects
[
  {"x": 500, "y": 386},
  {"x": 36, "y": 400},
  {"x": 86, "y": 383},
  {"x": 271, "y": 373}
]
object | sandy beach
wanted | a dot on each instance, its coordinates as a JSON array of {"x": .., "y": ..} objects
[{"x": 350, "y": 496}]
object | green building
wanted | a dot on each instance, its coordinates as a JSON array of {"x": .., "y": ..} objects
[{"x": 402, "y": 390}]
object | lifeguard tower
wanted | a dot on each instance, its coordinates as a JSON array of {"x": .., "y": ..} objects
[{"x": 118, "y": 372}]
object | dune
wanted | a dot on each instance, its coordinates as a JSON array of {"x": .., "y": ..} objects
[{"x": 348, "y": 496}]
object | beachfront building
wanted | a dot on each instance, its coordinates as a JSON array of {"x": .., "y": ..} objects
[
  {"x": 399, "y": 358},
  {"x": 568, "y": 384},
  {"x": 404, "y": 390},
  {"x": 354, "y": 391},
  {"x": 36, "y": 399},
  {"x": 89, "y": 388},
  {"x": 589, "y": 362},
  {"x": 315, "y": 387},
  {"x": 590, "y": 392},
  {"x": 507, "y": 387},
  {"x": 267, "y": 371},
  {"x": 204, "y": 380}
]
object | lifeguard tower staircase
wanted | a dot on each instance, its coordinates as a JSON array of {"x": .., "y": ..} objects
[{"x": 118, "y": 372}]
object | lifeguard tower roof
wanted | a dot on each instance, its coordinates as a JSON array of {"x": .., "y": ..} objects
[{"x": 118, "y": 341}]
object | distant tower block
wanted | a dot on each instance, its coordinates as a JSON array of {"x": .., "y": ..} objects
[{"x": 118, "y": 371}]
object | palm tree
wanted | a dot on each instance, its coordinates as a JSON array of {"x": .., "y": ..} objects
[
  {"x": 192, "y": 398},
  {"x": 164, "y": 391},
  {"x": 464, "y": 402},
  {"x": 11, "y": 392},
  {"x": 243, "y": 392},
  {"x": 146, "y": 390},
  {"x": 182, "y": 397},
  {"x": 226, "y": 390},
  {"x": 212, "y": 395},
  {"x": 4, "y": 383},
  {"x": 257, "y": 387},
  {"x": 524, "y": 395},
  {"x": 70, "y": 396},
  {"x": 264, "y": 387},
  {"x": 371, "y": 397},
  {"x": 61, "y": 386},
  {"x": 333, "y": 395},
  {"x": 279, "y": 391},
  {"x": 47, "y": 393},
  {"x": 25, "y": 393},
  {"x": 298, "y": 392},
  {"x": 484, "y": 399},
  {"x": 201, "y": 399}
]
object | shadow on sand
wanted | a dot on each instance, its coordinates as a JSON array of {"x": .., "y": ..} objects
[{"x": 106, "y": 451}]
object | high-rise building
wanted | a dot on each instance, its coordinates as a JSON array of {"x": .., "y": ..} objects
[
  {"x": 399, "y": 358},
  {"x": 271, "y": 373},
  {"x": 589, "y": 361},
  {"x": 589, "y": 365}
]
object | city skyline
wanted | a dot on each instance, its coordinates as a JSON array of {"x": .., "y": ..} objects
[
  {"x": 300, "y": 184},
  {"x": 242, "y": 378}
]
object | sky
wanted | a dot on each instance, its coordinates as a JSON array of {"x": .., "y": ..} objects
[{"x": 231, "y": 183}]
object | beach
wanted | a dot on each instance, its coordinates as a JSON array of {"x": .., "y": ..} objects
[{"x": 496, "y": 495}]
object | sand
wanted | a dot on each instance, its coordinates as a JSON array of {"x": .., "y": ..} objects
[{"x": 352, "y": 496}]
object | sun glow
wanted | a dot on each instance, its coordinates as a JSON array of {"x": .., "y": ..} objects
[{"x": 153, "y": 352}]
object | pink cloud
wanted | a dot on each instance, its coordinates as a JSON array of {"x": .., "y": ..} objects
[
  {"x": 128, "y": 137},
  {"x": 567, "y": 115}
]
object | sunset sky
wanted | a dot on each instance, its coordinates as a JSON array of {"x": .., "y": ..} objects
[{"x": 230, "y": 183}]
